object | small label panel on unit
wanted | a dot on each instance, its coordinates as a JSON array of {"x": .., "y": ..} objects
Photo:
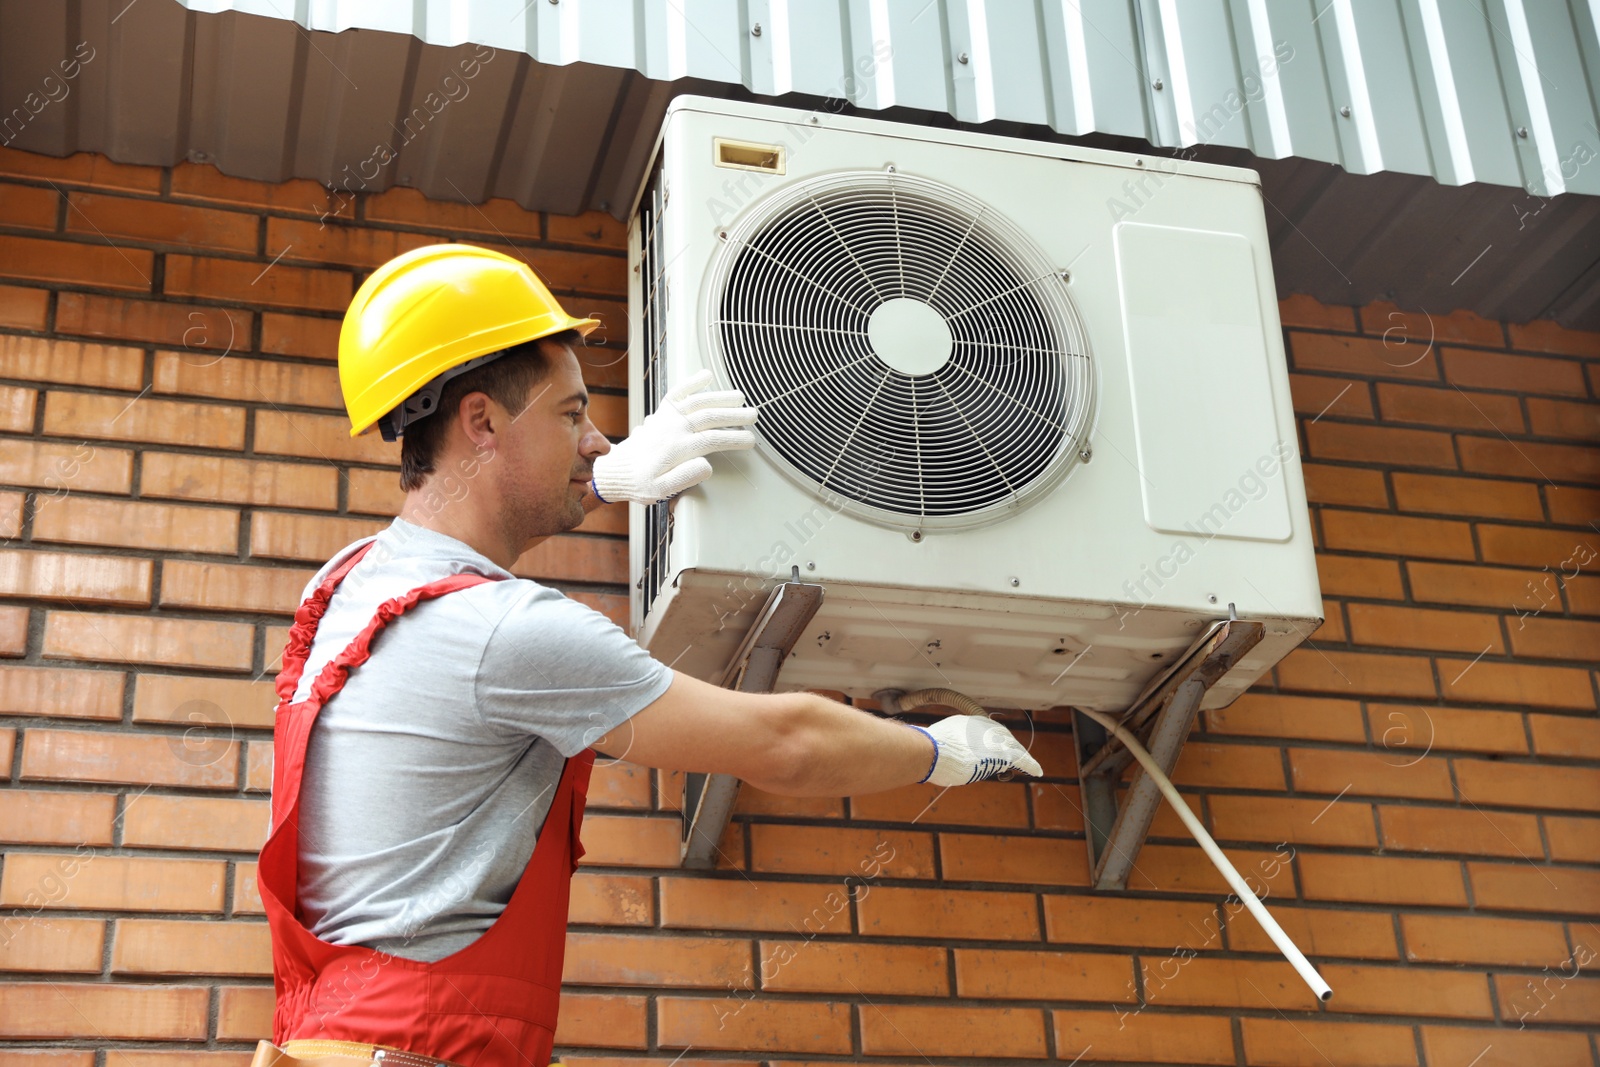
[
  {"x": 746, "y": 155},
  {"x": 1209, "y": 451}
]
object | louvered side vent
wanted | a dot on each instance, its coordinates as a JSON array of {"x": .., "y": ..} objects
[
  {"x": 652, "y": 267},
  {"x": 912, "y": 352}
]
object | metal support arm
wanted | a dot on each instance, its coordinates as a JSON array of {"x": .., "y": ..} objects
[
  {"x": 708, "y": 798},
  {"x": 1165, "y": 715}
]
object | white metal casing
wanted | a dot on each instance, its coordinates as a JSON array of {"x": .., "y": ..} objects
[{"x": 1192, "y": 499}]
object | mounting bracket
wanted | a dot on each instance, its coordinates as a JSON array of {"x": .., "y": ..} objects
[
  {"x": 1161, "y": 718},
  {"x": 708, "y": 798}
]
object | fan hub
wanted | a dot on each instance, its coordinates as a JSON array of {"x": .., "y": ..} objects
[{"x": 910, "y": 335}]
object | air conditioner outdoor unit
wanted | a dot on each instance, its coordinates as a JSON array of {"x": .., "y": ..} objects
[{"x": 1025, "y": 413}]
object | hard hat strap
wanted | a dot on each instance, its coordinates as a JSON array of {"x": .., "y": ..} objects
[{"x": 425, "y": 401}]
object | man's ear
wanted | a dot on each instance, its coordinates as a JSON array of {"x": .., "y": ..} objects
[{"x": 480, "y": 421}]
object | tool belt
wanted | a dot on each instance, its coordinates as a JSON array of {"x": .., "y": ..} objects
[{"x": 339, "y": 1054}]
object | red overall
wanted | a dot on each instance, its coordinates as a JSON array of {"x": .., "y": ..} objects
[{"x": 493, "y": 1003}]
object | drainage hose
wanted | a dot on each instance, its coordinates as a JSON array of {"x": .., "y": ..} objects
[
  {"x": 950, "y": 698},
  {"x": 895, "y": 702},
  {"x": 944, "y": 698},
  {"x": 1236, "y": 883}
]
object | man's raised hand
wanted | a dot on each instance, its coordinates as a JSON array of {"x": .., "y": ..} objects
[{"x": 666, "y": 453}]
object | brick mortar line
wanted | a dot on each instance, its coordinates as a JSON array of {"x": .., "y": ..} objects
[
  {"x": 258, "y": 403},
  {"x": 1444, "y": 472},
  {"x": 1394, "y": 959},
  {"x": 733, "y": 936},
  {"x": 158, "y": 297},
  {"x": 1465, "y": 564},
  {"x": 1435, "y": 654},
  {"x": 780, "y": 879},
  {"x": 1418, "y": 605},
  {"x": 1442, "y": 387},
  {"x": 265, "y": 212},
  {"x": 1051, "y": 833},
  {"x": 1455, "y": 432},
  {"x": 177, "y": 613},
  {"x": 143, "y": 243},
  {"x": 1034, "y": 946},
  {"x": 1444, "y": 516},
  {"x": 1435, "y": 699},
  {"x": 262, "y": 735},
  {"x": 67, "y": 787},
  {"x": 238, "y": 355},
  {"x": 181, "y": 503},
  {"x": 1438, "y": 345},
  {"x": 215, "y": 504},
  {"x": 1063, "y": 1004}
]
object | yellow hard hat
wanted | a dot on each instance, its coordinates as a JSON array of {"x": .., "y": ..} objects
[{"x": 430, "y": 311}]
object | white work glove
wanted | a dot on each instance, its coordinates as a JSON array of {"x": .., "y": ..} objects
[
  {"x": 974, "y": 748},
  {"x": 666, "y": 453}
]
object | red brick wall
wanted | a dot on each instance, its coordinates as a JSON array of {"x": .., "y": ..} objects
[{"x": 1420, "y": 789}]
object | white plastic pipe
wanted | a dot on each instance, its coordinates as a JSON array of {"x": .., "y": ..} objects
[{"x": 1290, "y": 951}]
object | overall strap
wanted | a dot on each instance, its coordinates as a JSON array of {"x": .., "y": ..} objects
[
  {"x": 293, "y": 722},
  {"x": 333, "y": 675},
  {"x": 306, "y": 618}
]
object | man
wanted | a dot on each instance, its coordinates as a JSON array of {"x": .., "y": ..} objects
[{"x": 425, "y": 831}]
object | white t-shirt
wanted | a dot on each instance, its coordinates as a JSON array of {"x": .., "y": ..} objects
[{"x": 428, "y": 776}]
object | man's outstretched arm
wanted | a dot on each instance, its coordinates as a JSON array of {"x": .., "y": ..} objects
[{"x": 801, "y": 744}]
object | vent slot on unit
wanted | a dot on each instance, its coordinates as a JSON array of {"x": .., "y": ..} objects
[
  {"x": 913, "y": 353},
  {"x": 652, "y": 271},
  {"x": 741, "y": 155}
]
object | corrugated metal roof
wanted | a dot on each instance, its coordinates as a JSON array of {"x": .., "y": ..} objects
[
  {"x": 1494, "y": 91},
  {"x": 559, "y": 102}
]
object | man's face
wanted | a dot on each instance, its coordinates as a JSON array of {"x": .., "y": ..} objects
[{"x": 548, "y": 451}]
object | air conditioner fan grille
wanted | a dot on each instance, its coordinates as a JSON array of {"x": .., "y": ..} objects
[{"x": 911, "y": 351}]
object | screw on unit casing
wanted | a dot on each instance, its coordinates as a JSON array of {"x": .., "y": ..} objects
[
  {"x": 1066, "y": 276},
  {"x": 962, "y": 58},
  {"x": 1085, "y": 452},
  {"x": 1157, "y": 84},
  {"x": 915, "y": 535},
  {"x": 1015, "y": 582},
  {"x": 811, "y": 565},
  {"x": 755, "y": 31},
  {"x": 1211, "y": 597},
  {"x": 1345, "y": 110},
  {"x": 1522, "y": 131}
]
